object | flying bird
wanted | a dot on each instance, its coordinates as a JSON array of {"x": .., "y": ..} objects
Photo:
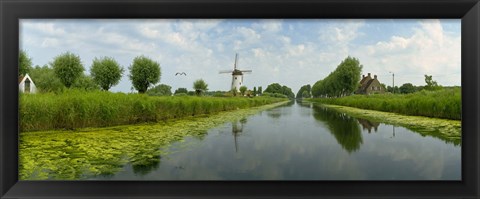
[{"x": 182, "y": 73}]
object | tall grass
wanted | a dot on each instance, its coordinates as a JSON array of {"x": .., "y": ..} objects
[
  {"x": 77, "y": 109},
  {"x": 444, "y": 104}
]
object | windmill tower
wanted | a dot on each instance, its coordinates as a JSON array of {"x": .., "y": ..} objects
[{"x": 237, "y": 75}]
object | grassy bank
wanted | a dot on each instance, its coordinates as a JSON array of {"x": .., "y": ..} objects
[
  {"x": 90, "y": 152},
  {"x": 444, "y": 104},
  {"x": 79, "y": 109},
  {"x": 447, "y": 130}
]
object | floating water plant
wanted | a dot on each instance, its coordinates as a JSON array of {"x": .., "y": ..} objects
[
  {"x": 447, "y": 130},
  {"x": 89, "y": 152}
]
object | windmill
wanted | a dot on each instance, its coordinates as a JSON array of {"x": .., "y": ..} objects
[{"x": 237, "y": 75}]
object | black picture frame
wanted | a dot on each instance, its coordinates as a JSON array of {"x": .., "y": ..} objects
[{"x": 13, "y": 10}]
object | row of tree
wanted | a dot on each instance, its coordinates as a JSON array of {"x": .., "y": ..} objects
[
  {"x": 200, "y": 87},
  {"x": 430, "y": 85},
  {"x": 67, "y": 71},
  {"x": 105, "y": 72},
  {"x": 304, "y": 92},
  {"x": 343, "y": 81}
]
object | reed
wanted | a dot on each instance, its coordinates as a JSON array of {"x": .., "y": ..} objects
[
  {"x": 444, "y": 103},
  {"x": 78, "y": 109}
]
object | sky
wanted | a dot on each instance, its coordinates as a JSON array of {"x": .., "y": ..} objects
[{"x": 291, "y": 52}]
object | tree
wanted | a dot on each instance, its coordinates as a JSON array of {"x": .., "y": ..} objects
[
  {"x": 343, "y": 81},
  {"x": 85, "y": 82},
  {"x": 160, "y": 90},
  {"x": 254, "y": 91},
  {"x": 305, "y": 94},
  {"x": 181, "y": 90},
  {"x": 234, "y": 91},
  {"x": 106, "y": 72},
  {"x": 144, "y": 72},
  {"x": 68, "y": 68},
  {"x": 24, "y": 63},
  {"x": 260, "y": 90},
  {"x": 288, "y": 92},
  {"x": 431, "y": 85},
  {"x": 279, "y": 89},
  {"x": 45, "y": 79},
  {"x": 243, "y": 89},
  {"x": 274, "y": 88},
  {"x": 384, "y": 87},
  {"x": 200, "y": 87},
  {"x": 305, "y": 88},
  {"x": 407, "y": 88},
  {"x": 391, "y": 89}
]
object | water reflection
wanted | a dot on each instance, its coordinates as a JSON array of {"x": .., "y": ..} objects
[
  {"x": 344, "y": 128},
  {"x": 237, "y": 129},
  {"x": 368, "y": 125},
  {"x": 147, "y": 166},
  {"x": 276, "y": 113},
  {"x": 312, "y": 143}
]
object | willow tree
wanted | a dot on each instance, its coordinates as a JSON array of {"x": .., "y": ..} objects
[
  {"x": 200, "y": 87},
  {"x": 24, "y": 63},
  {"x": 106, "y": 72},
  {"x": 68, "y": 68},
  {"x": 144, "y": 73}
]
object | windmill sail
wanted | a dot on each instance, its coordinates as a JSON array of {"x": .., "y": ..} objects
[{"x": 236, "y": 60}]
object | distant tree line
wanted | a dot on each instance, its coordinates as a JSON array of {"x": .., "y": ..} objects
[
  {"x": 407, "y": 88},
  {"x": 304, "y": 92},
  {"x": 279, "y": 90}
]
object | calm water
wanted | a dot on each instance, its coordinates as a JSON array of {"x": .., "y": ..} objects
[{"x": 301, "y": 142}]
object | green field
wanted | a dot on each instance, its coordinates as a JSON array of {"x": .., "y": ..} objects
[
  {"x": 79, "y": 109},
  {"x": 445, "y": 103}
]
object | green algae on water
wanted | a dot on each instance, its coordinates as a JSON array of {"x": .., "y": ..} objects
[
  {"x": 444, "y": 129},
  {"x": 89, "y": 152}
]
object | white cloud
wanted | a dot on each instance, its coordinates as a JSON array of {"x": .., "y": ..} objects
[
  {"x": 291, "y": 56},
  {"x": 50, "y": 42},
  {"x": 342, "y": 31},
  {"x": 46, "y": 28},
  {"x": 429, "y": 50},
  {"x": 269, "y": 26}
]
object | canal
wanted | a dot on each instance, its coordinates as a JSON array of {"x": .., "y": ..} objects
[{"x": 299, "y": 141}]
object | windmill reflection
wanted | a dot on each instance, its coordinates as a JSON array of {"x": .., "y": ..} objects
[
  {"x": 237, "y": 129},
  {"x": 393, "y": 129}
]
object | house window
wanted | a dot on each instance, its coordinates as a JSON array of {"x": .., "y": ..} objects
[{"x": 235, "y": 77}]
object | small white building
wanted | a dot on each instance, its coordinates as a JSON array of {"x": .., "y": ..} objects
[{"x": 26, "y": 85}]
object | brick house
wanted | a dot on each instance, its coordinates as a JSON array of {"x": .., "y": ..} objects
[{"x": 369, "y": 85}]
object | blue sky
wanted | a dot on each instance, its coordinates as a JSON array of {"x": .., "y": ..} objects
[{"x": 291, "y": 52}]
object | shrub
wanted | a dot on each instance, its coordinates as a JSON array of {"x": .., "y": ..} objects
[
  {"x": 445, "y": 103},
  {"x": 78, "y": 108}
]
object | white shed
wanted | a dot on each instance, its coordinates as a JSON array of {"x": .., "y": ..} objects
[{"x": 26, "y": 85}]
